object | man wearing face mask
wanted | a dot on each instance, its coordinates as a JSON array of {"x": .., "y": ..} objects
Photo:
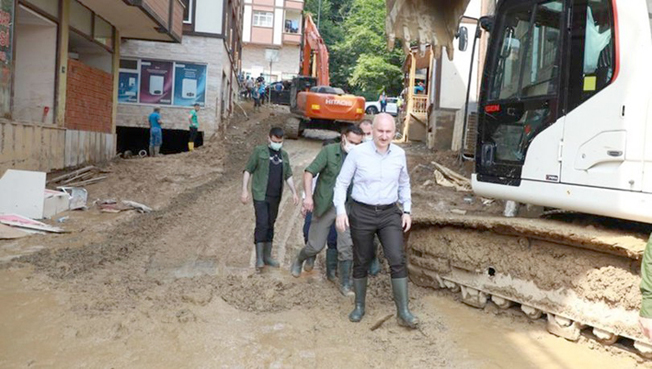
[
  {"x": 327, "y": 165},
  {"x": 269, "y": 166},
  {"x": 365, "y": 126}
]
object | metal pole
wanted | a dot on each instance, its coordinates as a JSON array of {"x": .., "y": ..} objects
[{"x": 269, "y": 98}]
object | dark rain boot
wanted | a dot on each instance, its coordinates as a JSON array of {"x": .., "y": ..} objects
[
  {"x": 360, "y": 287},
  {"x": 374, "y": 266},
  {"x": 310, "y": 264},
  {"x": 260, "y": 246},
  {"x": 331, "y": 264},
  {"x": 295, "y": 269},
  {"x": 403, "y": 314},
  {"x": 344, "y": 270},
  {"x": 267, "y": 256}
]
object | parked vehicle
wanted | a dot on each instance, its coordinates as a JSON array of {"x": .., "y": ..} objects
[{"x": 373, "y": 107}]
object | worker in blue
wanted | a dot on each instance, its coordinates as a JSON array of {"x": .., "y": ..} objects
[{"x": 155, "y": 132}]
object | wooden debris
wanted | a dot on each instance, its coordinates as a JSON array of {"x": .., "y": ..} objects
[
  {"x": 448, "y": 178},
  {"x": 71, "y": 174},
  {"x": 87, "y": 182},
  {"x": 380, "y": 322}
]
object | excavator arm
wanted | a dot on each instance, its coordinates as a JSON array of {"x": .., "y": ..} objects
[
  {"x": 429, "y": 22},
  {"x": 313, "y": 45}
]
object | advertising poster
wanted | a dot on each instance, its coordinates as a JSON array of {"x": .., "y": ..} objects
[
  {"x": 156, "y": 82},
  {"x": 189, "y": 84},
  {"x": 128, "y": 87}
]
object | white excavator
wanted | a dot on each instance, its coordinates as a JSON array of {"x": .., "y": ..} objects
[{"x": 565, "y": 122}]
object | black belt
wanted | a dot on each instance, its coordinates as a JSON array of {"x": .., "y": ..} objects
[{"x": 375, "y": 207}]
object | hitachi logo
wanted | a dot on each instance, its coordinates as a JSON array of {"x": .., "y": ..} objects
[{"x": 339, "y": 102}]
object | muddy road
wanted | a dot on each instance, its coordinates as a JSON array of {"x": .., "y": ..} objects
[{"x": 176, "y": 288}]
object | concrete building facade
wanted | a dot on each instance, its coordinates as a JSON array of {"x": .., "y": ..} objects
[
  {"x": 271, "y": 33},
  {"x": 202, "y": 69},
  {"x": 59, "y": 60}
]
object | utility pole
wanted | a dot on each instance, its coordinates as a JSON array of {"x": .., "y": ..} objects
[{"x": 269, "y": 98}]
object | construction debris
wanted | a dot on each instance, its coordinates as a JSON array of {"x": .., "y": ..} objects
[
  {"x": 27, "y": 225},
  {"x": 80, "y": 177},
  {"x": 138, "y": 206},
  {"x": 449, "y": 178}
]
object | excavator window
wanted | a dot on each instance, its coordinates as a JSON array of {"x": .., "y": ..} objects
[{"x": 593, "y": 33}]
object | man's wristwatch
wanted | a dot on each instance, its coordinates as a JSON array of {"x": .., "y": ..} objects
[{"x": 406, "y": 212}]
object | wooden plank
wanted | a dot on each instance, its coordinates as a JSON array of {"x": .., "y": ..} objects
[{"x": 71, "y": 174}]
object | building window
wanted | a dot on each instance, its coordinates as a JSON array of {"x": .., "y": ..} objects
[
  {"x": 263, "y": 19},
  {"x": 187, "y": 11},
  {"x": 292, "y": 22}
]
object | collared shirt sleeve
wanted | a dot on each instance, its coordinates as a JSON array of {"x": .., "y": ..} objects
[
  {"x": 252, "y": 164},
  {"x": 646, "y": 281},
  {"x": 319, "y": 163},
  {"x": 404, "y": 191},
  {"x": 343, "y": 181}
]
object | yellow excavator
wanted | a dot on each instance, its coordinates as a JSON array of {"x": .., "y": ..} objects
[{"x": 563, "y": 114}]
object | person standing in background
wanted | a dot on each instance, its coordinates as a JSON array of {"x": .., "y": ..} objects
[
  {"x": 194, "y": 127},
  {"x": 383, "y": 102},
  {"x": 155, "y": 132}
]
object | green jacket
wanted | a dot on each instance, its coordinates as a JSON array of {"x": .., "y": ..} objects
[
  {"x": 258, "y": 166},
  {"x": 646, "y": 281},
  {"x": 327, "y": 164}
]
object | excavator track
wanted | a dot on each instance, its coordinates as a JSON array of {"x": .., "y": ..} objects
[
  {"x": 577, "y": 277},
  {"x": 292, "y": 128}
]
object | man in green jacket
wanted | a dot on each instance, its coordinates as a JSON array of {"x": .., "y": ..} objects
[
  {"x": 327, "y": 166},
  {"x": 268, "y": 166},
  {"x": 645, "y": 318}
]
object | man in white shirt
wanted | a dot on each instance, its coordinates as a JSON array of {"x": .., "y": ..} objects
[{"x": 378, "y": 170}]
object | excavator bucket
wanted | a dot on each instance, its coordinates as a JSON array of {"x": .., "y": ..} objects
[{"x": 428, "y": 22}]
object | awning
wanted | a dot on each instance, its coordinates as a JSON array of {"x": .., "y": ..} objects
[{"x": 429, "y": 22}]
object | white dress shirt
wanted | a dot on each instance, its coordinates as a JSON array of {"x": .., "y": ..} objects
[{"x": 378, "y": 179}]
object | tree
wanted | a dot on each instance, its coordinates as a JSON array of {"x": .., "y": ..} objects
[
  {"x": 354, "y": 32},
  {"x": 373, "y": 74}
]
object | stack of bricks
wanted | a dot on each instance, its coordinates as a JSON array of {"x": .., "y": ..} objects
[{"x": 89, "y": 98}]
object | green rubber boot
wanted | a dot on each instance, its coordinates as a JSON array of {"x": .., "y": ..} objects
[
  {"x": 331, "y": 264},
  {"x": 267, "y": 256},
  {"x": 295, "y": 269},
  {"x": 259, "y": 255},
  {"x": 309, "y": 264},
  {"x": 344, "y": 270},
  {"x": 360, "y": 287},
  {"x": 403, "y": 314},
  {"x": 374, "y": 266}
]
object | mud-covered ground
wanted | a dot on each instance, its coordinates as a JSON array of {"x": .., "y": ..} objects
[{"x": 176, "y": 288}]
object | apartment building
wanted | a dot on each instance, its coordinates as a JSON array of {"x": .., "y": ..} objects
[
  {"x": 202, "y": 69},
  {"x": 59, "y": 60},
  {"x": 271, "y": 36}
]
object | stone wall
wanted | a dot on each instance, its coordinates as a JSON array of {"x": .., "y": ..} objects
[{"x": 195, "y": 49}]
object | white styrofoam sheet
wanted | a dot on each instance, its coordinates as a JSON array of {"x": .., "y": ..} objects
[{"x": 21, "y": 192}]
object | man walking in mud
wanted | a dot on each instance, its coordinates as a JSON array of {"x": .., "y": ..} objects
[
  {"x": 327, "y": 166},
  {"x": 378, "y": 170},
  {"x": 269, "y": 167}
]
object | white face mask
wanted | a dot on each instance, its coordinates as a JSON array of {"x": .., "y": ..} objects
[
  {"x": 276, "y": 146},
  {"x": 368, "y": 138},
  {"x": 346, "y": 145}
]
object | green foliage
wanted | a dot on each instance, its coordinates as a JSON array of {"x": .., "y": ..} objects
[{"x": 354, "y": 32}]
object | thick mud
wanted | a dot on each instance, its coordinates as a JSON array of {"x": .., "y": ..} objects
[{"x": 177, "y": 288}]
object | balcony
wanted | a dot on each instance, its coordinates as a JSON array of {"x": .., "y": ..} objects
[{"x": 154, "y": 20}]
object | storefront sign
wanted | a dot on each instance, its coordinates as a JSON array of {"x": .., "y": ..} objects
[
  {"x": 156, "y": 82},
  {"x": 189, "y": 84}
]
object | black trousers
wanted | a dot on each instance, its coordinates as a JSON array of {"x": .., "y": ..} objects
[
  {"x": 367, "y": 221},
  {"x": 192, "y": 134},
  {"x": 266, "y": 213}
]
